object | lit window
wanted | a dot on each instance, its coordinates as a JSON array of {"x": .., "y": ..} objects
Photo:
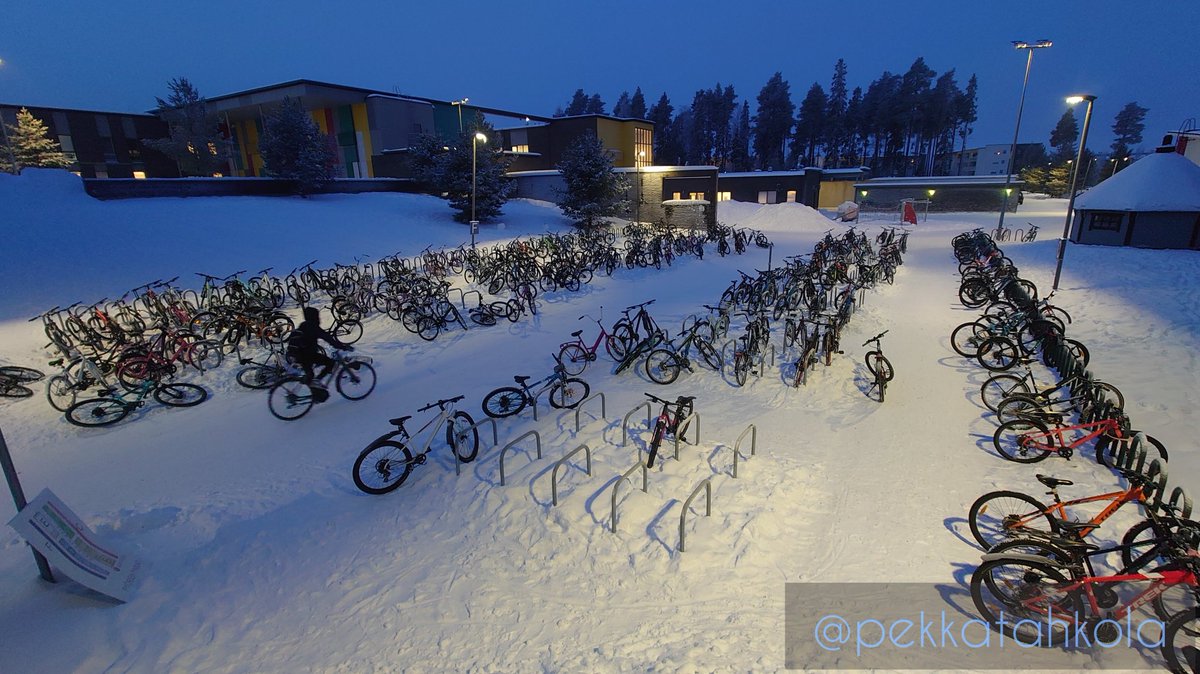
[
  {"x": 520, "y": 148},
  {"x": 696, "y": 196},
  {"x": 767, "y": 197},
  {"x": 676, "y": 196},
  {"x": 140, "y": 175},
  {"x": 724, "y": 196},
  {"x": 643, "y": 147},
  {"x": 791, "y": 196},
  {"x": 218, "y": 175}
]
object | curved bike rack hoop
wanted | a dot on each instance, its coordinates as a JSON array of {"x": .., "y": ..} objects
[
  {"x": 563, "y": 461},
  {"x": 627, "y": 476},
  {"x": 630, "y": 413},
  {"x": 737, "y": 445},
  {"x": 503, "y": 452},
  {"x": 682, "y": 428},
  {"x": 454, "y": 438},
  {"x": 1132, "y": 456},
  {"x": 762, "y": 358},
  {"x": 603, "y": 407},
  {"x": 1156, "y": 478},
  {"x": 1178, "y": 495},
  {"x": 468, "y": 292},
  {"x": 462, "y": 296},
  {"x": 706, "y": 484}
]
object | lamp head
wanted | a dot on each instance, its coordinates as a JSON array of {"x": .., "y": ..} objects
[
  {"x": 1079, "y": 98},
  {"x": 480, "y": 137}
]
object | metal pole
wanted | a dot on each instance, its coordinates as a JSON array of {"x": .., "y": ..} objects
[
  {"x": 474, "y": 146},
  {"x": 1017, "y": 132},
  {"x": 14, "y": 486},
  {"x": 1062, "y": 243}
]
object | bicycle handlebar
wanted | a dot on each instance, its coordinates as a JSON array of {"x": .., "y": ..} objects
[
  {"x": 441, "y": 403},
  {"x": 875, "y": 338}
]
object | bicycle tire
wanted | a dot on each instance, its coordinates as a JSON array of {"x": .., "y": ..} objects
[
  {"x": 21, "y": 374},
  {"x": 741, "y": 368},
  {"x": 964, "y": 339},
  {"x": 204, "y": 355},
  {"x": 13, "y": 390},
  {"x": 662, "y": 366},
  {"x": 98, "y": 412},
  {"x": 1009, "y": 509},
  {"x": 504, "y": 402},
  {"x": 568, "y": 393},
  {"x": 1001, "y": 386},
  {"x": 1179, "y": 641},
  {"x": 461, "y": 431},
  {"x": 347, "y": 331},
  {"x": 1011, "y": 442},
  {"x": 998, "y": 354},
  {"x": 388, "y": 460},
  {"x": 180, "y": 394},
  {"x": 708, "y": 353},
  {"x": 259, "y": 376},
  {"x": 573, "y": 358},
  {"x": 60, "y": 392},
  {"x": 878, "y": 364},
  {"x": 428, "y": 328},
  {"x": 290, "y": 399},
  {"x": 355, "y": 380},
  {"x": 660, "y": 430},
  {"x": 1012, "y": 583}
]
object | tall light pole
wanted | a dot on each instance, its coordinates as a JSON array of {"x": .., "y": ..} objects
[
  {"x": 641, "y": 156},
  {"x": 459, "y": 104},
  {"x": 475, "y": 141},
  {"x": 12, "y": 157},
  {"x": 1062, "y": 243},
  {"x": 1012, "y": 152}
]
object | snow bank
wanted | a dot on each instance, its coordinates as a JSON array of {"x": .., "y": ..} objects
[{"x": 786, "y": 217}]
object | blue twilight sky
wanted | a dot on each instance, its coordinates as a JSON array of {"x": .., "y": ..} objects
[{"x": 530, "y": 55}]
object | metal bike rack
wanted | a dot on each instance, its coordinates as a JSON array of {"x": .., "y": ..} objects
[
  {"x": 1178, "y": 495},
  {"x": 627, "y": 476},
  {"x": 503, "y": 452},
  {"x": 1156, "y": 476},
  {"x": 707, "y": 485},
  {"x": 762, "y": 358},
  {"x": 454, "y": 439},
  {"x": 462, "y": 297},
  {"x": 682, "y": 428},
  {"x": 625, "y": 421},
  {"x": 561, "y": 462},
  {"x": 469, "y": 292},
  {"x": 603, "y": 407},
  {"x": 737, "y": 445}
]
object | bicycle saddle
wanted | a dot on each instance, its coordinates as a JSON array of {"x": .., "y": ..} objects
[
  {"x": 1052, "y": 482},
  {"x": 399, "y": 421},
  {"x": 520, "y": 380},
  {"x": 577, "y": 333},
  {"x": 685, "y": 399}
]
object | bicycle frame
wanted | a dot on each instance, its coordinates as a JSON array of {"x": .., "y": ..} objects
[
  {"x": 1161, "y": 582},
  {"x": 578, "y": 341},
  {"x": 1101, "y": 427},
  {"x": 1116, "y": 499},
  {"x": 436, "y": 423}
]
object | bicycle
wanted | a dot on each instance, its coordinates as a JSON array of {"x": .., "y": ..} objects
[
  {"x": 1028, "y": 440},
  {"x": 13, "y": 379},
  {"x": 664, "y": 363},
  {"x": 668, "y": 422},
  {"x": 1000, "y": 387},
  {"x": 564, "y": 393},
  {"x": 879, "y": 366},
  {"x": 575, "y": 355},
  {"x": 628, "y": 332},
  {"x": 115, "y": 405},
  {"x": 292, "y": 398},
  {"x": 386, "y": 463}
]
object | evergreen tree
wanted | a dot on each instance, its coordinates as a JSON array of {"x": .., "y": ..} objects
[
  {"x": 578, "y": 104},
  {"x": 810, "y": 127},
  {"x": 621, "y": 107},
  {"x": 1035, "y": 178},
  {"x": 668, "y": 148},
  {"x": 739, "y": 151},
  {"x": 31, "y": 145},
  {"x": 594, "y": 192},
  {"x": 856, "y": 133},
  {"x": 1063, "y": 137},
  {"x": 194, "y": 142},
  {"x": 967, "y": 109},
  {"x": 836, "y": 129},
  {"x": 1058, "y": 182},
  {"x": 773, "y": 122},
  {"x": 293, "y": 148},
  {"x": 427, "y": 165},
  {"x": 1127, "y": 131},
  {"x": 637, "y": 105},
  {"x": 939, "y": 121},
  {"x": 595, "y": 105},
  {"x": 492, "y": 187},
  {"x": 914, "y": 88}
]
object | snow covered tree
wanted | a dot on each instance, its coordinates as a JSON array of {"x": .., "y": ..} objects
[
  {"x": 426, "y": 163},
  {"x": 594, "y": 192},
  {"x": 1064, "y": 135},
  {"x": 31, "y": 145},
  {"x": 773, "y": 122},
  {"x": 194, "y": 143},
  {"x": 577, "y": 105},
  {"x": 492, "y": 187},
  {"x": 293, "y": 148}
]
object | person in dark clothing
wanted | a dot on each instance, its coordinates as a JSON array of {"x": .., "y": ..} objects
[{"x": 303, "y": 347}]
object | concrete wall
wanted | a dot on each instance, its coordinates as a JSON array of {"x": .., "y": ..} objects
[{"x": 105, "y": 189}]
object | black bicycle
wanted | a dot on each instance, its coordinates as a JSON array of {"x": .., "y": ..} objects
[
  {"x": 879, "y": 366},
  {"x": 292, "y": 398},
  {"x": 564, "y": 393},
  {"x": 673, "y": 413}
]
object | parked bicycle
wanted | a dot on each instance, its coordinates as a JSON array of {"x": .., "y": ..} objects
[
  {"x": 387, "y": 462},
  {"x": 672, "y": 414},
  {"x": 879, "y": 366},
  {"x": 564, "y": 393},
  {"x": 114, "y": 405},
  {"x": 292, "y": 397},
  {"x": 13, "y": 380},
  {"x": 575, "y": 355}
]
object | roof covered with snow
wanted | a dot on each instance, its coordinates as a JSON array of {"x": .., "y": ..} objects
[
  {"x": 1156, "y": 182},
  {"x": 921, "y": 181}
]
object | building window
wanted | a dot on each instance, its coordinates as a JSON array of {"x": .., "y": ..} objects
[
  {"x": 101, "y": 171},
  {"x": 102, "y": 126},
  {"x": 1106, "y": 221},
  {"x": 520, "y": 148},
  {"x": 767, "y": 197},
  {"x": 724, "y": 196},
  {"x": 127, "y": 127},
  {"x": 676, "y": 196},
  {"x": 643, "y": 147},
  {"x": 140, "y": 175},
  {"x": 68, "y": 147},
  {"x": 791, "y": 196},
  {"x": 696, "y": 196}
]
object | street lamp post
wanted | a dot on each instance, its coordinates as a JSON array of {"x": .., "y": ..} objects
[
  {"x": 641, "y": 155},
  {"x": 459, "y": 104},
  {"x": 1062, "y": 243},
  {"x": 475, "y": 140},
  {"x": 1012, "y": 152}
]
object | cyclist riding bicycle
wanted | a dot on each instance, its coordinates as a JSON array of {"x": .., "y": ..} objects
[{"x": 303, "y": 349}]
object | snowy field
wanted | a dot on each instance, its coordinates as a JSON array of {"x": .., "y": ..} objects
[{"x": 263, "y": 557}]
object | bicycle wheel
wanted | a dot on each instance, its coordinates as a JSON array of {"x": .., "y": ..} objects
[
  {"x": 1111, "y": 393},
  {"x": 998, "y": 354},
  {"x": 98, "y": 412},
  {"x": 428, "y": 328},
  {"x": 504, "y": 402},
  {"x": 21, "y": 374},
  {"x": 965, "y": 341},
  {"x": 463, "y": 437},
  {"x": 1020, "y": 597},
  {"x": 258, "y": 376},
  {"x": 290, "y": 399},
  {"x": 619, "y": 342},
  {"x": 1179, "y": 642},
  {"x": 1000, "y": 515},
  {"x": 11, "y": 389},
  {"x": 567, "y": 394},
  {"x": 483, "y": 318},
  {"x": 355, "y": 380},
  {"x": 347, "y": 332},
  {"x": 1001, "y": 386},
  {"x": 180, "y": 395},
  {"x": 382, "y": 467},
  {"x": 204, "y": 355},
  {"x": 708, "y": 353},
  {"x": 662, "y": 366},
  {"x": 1032, "y": 334},
  {"x": 879, "y": 366},
  {"x": 573, "y": 358},
  {"x": 60, "y": 393},
  {"x": 1023, "y": 440},
  {"x": 741, "y": 368},
  {"x": 660, "y": 429},
  {"x": 276, "y": 329},
  {"x": 1020, "y": 407}
]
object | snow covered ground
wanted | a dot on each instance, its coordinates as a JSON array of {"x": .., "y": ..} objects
[{"x": 265, "y": 558}]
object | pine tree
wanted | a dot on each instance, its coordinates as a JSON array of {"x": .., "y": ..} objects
[
  {"x": 621, "y": 107},
  {"x": 578, "y": 104},
  {"x": 739, "y": 152},
  {"x": 1064, "y": 135},
  {"x": 594, "y": 192},
  {"x": 194, "y": 142},
  {"x": 492, "y": 187},
  {"x": 856, "y": 133},
  {"x": 835, "y": 116},
  {"x": 1127, "y": 129},
  {"x": 967, "y": 108},
  {"x": 637, "y": 105},
  {"x": 1058, "y": 182},
  {"x": 427, "y": 165},
  {"x": 595, "y": 105},
  {"x": 668, "y": 147},
  {"x": 31, "y": 145},
  {"x": 293, "y": 148},
  {"x": 1035, "y": 178},
  {"x": 773, "y": 122},
  {"x": 810, "y": 127}
]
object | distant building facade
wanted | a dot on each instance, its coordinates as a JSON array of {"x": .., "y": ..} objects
[
  {"x": 944, "y": 193},
  {"x": 989, "y": 160}
]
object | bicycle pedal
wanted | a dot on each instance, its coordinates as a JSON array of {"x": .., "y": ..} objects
[{"x": 419, "y": 459}]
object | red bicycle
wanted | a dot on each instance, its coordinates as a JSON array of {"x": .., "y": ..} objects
[
  {"x": 575, "y": 355},
  {"x": 1029, "y": 440},
  {"x": 668, "y": 422}
]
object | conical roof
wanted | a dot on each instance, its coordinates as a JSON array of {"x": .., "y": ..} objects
[{"x": 1157, "y": 182}]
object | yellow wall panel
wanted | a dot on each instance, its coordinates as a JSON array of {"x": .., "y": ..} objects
[{"x": 359, "y": 110}]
